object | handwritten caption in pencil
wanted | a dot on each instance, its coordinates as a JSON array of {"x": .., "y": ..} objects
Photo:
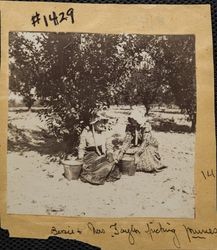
[
  {"x": 152, "y": 231},
  {"x": 54, "y": 18},
  {"x": 208, "y": 174}
]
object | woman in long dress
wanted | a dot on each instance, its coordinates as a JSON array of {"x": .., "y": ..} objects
[
  {"x": 96, "y": 151},
  {"x": 141, "y": 145}
]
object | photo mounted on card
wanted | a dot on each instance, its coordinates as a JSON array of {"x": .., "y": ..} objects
[{"x": 107, "y": 124}]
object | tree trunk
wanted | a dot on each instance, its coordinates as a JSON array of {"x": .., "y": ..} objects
[
  {"x": 147, "y": 107},
  {"x": 29, "y": 108},
  {"x": 116, "y": 102},
  {"x": 108, "y": 103},
  {"x": 193, "y": 123}
]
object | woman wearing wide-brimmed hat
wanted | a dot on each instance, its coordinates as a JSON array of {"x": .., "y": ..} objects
[
  {"x": 96, "y": 151},
  {"x": 140, "y": 143}
]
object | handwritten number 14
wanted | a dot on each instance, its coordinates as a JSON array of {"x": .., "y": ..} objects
[{"x": 208, "y": 173}]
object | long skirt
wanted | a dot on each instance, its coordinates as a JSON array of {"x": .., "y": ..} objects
[
  {"x": 97, "y": 169},
  {"x": 149, "y": 160}
]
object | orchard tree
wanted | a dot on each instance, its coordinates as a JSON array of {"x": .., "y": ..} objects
[
  {"x": 181, "y": 75},
  {"x": 23, "y": 64},
  {"x": 75, "y": 74},
  {"x": 76, "y": 78},
  {"x": 171, "y": 73},
  {"x": 29, "y": 100},
  {"x": 147, "y": 69}
]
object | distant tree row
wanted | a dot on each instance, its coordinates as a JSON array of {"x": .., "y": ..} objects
[{"x": 74, "y": 74}]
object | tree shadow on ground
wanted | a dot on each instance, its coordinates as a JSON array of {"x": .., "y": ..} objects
[
  {"x": 168, "y": 125},
  {"x": 24, "y": 140},
  {"x": 166, "y": 111}
]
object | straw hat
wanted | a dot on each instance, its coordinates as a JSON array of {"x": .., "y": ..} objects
[
  {"x": 137, "y": 116},
  {"x": 97, "y": 118}
]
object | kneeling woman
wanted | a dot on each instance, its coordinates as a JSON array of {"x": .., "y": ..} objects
[
  {"x": 95, "y": 150},
  {"x": 140, "y": 143}
]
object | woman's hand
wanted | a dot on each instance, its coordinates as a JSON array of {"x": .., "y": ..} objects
[
  {"x": 110, "y": 157},
  {"x": 118, "y": 156},
  {"x": 136, "y": 159},
  {"x": 80, "y": 159}
]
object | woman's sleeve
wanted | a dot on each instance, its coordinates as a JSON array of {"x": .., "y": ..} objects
[
  {"x": 109, "y": 145},
  {"x": 127, "y": 139},
  {"x": 126, "y": 144},
  {"x": 145, "y": 143},
  {"x": 154, "y": 142},
  {"x": 82, "y": 145}
]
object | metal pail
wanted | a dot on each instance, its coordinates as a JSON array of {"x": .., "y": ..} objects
[{"x": 72, "y": 169}]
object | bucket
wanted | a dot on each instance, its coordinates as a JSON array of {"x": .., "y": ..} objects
[
  {"x": 127, "y": 165},
  {"x": 72, "y": 169}
]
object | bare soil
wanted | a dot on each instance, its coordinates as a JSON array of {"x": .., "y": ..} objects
[{"x": 36, "y": 184}]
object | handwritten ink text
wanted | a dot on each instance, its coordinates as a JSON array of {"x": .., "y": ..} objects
[
  {"x": 159, "y": 229},
  {"x": 53, "y": 18}
]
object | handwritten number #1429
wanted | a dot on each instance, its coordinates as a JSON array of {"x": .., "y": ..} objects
[{"x": 54, "y": 18}]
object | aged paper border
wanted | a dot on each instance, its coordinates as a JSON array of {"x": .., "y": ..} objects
[{"x": 139, "y": 19}]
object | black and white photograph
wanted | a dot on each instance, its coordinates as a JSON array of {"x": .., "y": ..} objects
[{"x": 101, "y": 125}]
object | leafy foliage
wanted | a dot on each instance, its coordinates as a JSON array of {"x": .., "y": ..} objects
[
  {"x": 74, "y": 75},
  {"x": 180, "y": 54},
  {"x": 23, "y": 66}
]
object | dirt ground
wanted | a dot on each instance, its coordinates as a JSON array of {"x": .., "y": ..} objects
[{"x": 36, "y": 184}]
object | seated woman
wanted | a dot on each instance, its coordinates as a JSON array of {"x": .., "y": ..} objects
[
  {"x": 96, "y": 152},
  {"x": 140, "y": 143}
]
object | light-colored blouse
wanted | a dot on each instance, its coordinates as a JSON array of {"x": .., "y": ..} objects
[{"x": 88, "y": 138}]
